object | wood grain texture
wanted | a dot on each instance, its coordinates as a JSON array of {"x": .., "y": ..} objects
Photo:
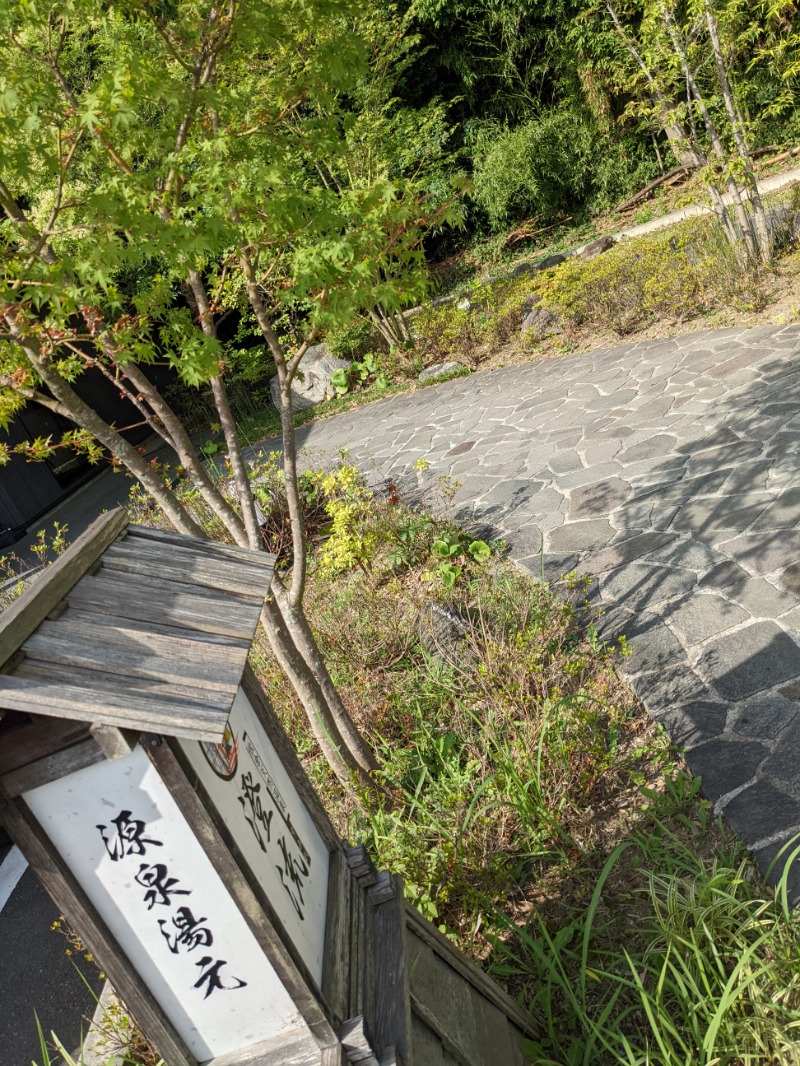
[
  {"x": 336, "y": 958},
  {"x": 390, "y": 1016},
  {"x": 23, "y": 616},
  {"x": 452, "y": 1051},
  {"x": 188, "y": 566},
  {"x": 43, "y": 771},
  {"x": 134, "y": 659},
  {"x": 430, "y": 935},
  {"x": 99, "y": 619},
  {"x": 150, "y": 600},
  {"x": 25, "y": 742},
  {"x": 126, "y": 709},
  {"x": 425, "y": 1044},
  {"x": 295, "y": 1048},
  {"x": 264, "y": 560}
]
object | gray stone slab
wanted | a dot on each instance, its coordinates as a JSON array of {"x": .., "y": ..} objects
[
  {"x": 713, "y": 513},
  {"x": 652, "y": 645},
  {"x": 666, "y": 691},
  {"x": 588, "y": 475},
  {"x": 761, "y": 811},
  {"x": 764, "y": 552},
  {"x": 658, "y": 445},
  {"x": 765, "y": 716},
  {"x": 550, "y": 566},
  {"x": 698, "y": 616},
  {"x": 782, "y": 766},
  {"x": 760, "y": 598},
  {"x": 694, "y": 721},
  {"x": 565, "y": 462},
  {"x": 627, "y": 550},
  {"x": 723, "y": 575},
  {"x": 580, "y": 536},
  {"x": 784, "y": 513},
  {"x": 639, "y": 586},
  {"x": 751, "y": 660},
  {"x": 599, "y": 498},
  {"x": 724, "y": 764}
]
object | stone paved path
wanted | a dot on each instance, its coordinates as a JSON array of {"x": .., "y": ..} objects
[{"x": 669, "y": 470}]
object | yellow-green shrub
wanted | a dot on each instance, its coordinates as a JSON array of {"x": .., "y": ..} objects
[
  {"x": 447, "y": 331},
  {"x": 676, "y": 275}
]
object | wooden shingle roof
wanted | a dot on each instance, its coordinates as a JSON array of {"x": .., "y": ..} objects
[{"x": 135, "y": 628}]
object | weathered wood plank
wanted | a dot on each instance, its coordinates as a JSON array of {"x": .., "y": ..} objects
[
  {"x": 36, "y": 739},
  {"x": 163, "y": 588},
  {"x": 133, "y": 660},
  {"x": 162, "y": 603},
  {"x": 19, "y": 620},
  {"x": 296, "y": 1048},
  {"x": 426, "y": 1047},
  {"x": 61, "y": 763},
  {"x": 194, "y": 649},
  {"x": 188, "y": 565},
  {"x": 114, "y": 623},
  {"x": 336, "y": 957},
  {"x": 71, "y": 677},
  {"x": 446, "y": 997},
  {"x": 390, "y": 1018},
  {"x": 492, "y": 1036},
  {"x": 211, "y": 547},
  {"x": 130, "y": 710},
  {"x": 452, "y": 1049},
  {"x": 428, "y": 933}
]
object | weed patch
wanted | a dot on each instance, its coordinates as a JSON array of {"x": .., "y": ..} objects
[{"x": 537, "y": 815}]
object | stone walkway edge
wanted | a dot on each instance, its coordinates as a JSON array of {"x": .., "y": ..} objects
[{"x": 669, "y": 472}]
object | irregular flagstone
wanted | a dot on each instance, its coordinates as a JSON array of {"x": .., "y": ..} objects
[
  {"x": 725, "y": 765},
  {"x": 765, "y": 716},
  {"x": 695, "y": 618},
  {"x": 670, "y": 471},
  {"x": 751, "y": 660},
  {"x": 599, "y": 498}
]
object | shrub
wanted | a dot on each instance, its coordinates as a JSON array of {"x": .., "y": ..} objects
[
  {"x": 487, "y": 316},
  {"x": 675, "y": 275}
]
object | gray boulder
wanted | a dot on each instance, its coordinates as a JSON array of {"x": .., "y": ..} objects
[
  {"x": 602, "y": 244},
  {"x": 444, "y": 635},
  {"x": 528, "y": 267},
  {"x": 540, "y": 323},
  {"x": 438, "y": 370},
  {"x": 312, "y": 384}
]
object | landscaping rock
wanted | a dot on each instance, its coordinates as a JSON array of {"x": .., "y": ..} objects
[
  {"x": 529, "y": 267},
  {"x": 312, "y": 384},
  {"x": 443, "y": 634},
  {"x": 602, "y": 244},
  {"x": 438, "y": 370},
  {"x": 541, "y": 323}
]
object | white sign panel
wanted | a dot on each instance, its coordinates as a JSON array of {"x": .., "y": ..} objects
[
  {"x": 122, "y": 835},
  {"x": 276, "y": 835}
]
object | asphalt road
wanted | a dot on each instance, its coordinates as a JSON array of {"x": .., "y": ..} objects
[{"x": 37, "y": 977}]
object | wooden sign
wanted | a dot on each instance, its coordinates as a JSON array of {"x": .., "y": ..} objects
[
  {"x": 121, "y": 834},
  {"x": 258, "y": 803},
  {"x": 150, "y": 785}
]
